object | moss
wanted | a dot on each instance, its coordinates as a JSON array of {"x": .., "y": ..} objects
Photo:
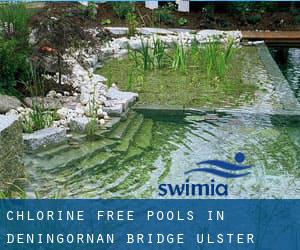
[{"x": 193, "y": 88}]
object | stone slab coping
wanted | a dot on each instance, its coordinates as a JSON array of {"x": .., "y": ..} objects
[
  {"x": 6, "y": 121},
  {"x": 44, "y": 137},
  {"x": 173, "y": 110}
]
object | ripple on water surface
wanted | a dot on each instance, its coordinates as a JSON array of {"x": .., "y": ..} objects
[{"x": 156, "y": 150}]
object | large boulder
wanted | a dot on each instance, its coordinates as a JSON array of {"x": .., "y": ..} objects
[
  {"x": 11, "y": 152},
  {"x": 8, "y": 102}
]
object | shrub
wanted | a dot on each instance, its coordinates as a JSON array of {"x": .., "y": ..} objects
[
  {"x": 297, "y": 19},
  {"x": 14, "y": 45},
  {"x": 182, "y": 21},
  {"x": 132, "y": 23},
  {"x": 254, "y": 19},
  {"x": 122, "y": 9},
  {"x": 164, "y": 15}
]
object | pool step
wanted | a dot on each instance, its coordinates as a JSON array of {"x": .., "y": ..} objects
[
  {"x": 143, "y": 137},
  {"x": 120, "y": 130},
  {"x": 128, "y": 138},
  {"x": 92, "y": 164},
  {"x": 73, "y": 157},
  {"x": 53, "y": 151}
]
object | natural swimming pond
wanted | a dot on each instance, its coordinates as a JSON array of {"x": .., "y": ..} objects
[
  {"x": 141, "y": 152},
  {"x": 147, "y": 149}
]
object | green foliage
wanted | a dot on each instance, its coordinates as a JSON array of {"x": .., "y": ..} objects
[
  {"x": 164, "y": 15},
  {"x": 105, "y": 22},
  {"x": 131, "y": 20},
  {"x": 297, "y": 19},
  {"x": 92, "y": 126},
  {"x": 149, "y": 58},
  {"x": 216, "y": 58},
  {"x": 122, "y": 9},
  {"x": 182, "y": 21},
  {"x": 38, "y": 118},
  {"x": 14, "y": 45},
  {"x": 180, "y": 57},
  {"x": 254, "y": 19},
  {"x": 159, "y": 53}
]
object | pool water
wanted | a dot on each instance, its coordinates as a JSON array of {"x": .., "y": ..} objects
[
  {"x": 288, "y": 60},
  {"x": 144, "y": 151}
]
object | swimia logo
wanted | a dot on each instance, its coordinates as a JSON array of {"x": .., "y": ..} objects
[{"x": 215, "y": 167}]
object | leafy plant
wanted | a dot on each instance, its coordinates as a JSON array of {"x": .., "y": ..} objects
[
  {"x": 14, "y": 45},
  {"x": 122, "y": 9},
  {"x": 164, "y": 15},
  {"x": 106, "y": 22},
  {"x": 182, "y": 21},
  {"x": 254, "y": 19},
  {"x": 131, "y": 20},
  {"x": 297, "y": 19}
]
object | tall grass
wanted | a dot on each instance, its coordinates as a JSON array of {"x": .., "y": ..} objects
[
  {"x": 159, "y": 53},
  {"x": 179, "y": 58},
  {"x": 39, "y": 117},
  {"x": 216, "y": 58}
]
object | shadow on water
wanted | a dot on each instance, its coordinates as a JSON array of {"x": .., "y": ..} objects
[{"x": 288, "y": 60}]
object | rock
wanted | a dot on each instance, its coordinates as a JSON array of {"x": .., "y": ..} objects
[
  {"x": 51, "y": 93},
  {"x": 11, "y": 152},
  {"x": 20, "y": 109},
  {"x": 62, "y": 113},
  {"x": 121, "y": 97},
  {"x": 115, "y": 110},
  {"x": 159, "y": 31},
  {"x": 102, "y": 121},
  {"x": 12, "y": 112},
  {"x": 117, "y": 30},
  {"x": 7, "y": 103},
  {"x": 44, "y": 138},
  {"x": 135, "y": 44},
  {"x": 78, "y": 124},
  {"x": 47, "y": 102}
]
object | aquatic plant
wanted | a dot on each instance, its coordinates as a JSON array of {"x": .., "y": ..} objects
[
  {"x": 147, "y": 58},
  {"x": 216, "y": 58},
  {"x": 159, "y": 53},
  {"x": 179, "y": 58}
]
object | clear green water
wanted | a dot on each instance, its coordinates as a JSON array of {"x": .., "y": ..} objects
[
  {"x": 288, "y": 60},
  {"x": 142, "y": 152}
]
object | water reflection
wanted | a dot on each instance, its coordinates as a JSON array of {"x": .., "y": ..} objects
[{"x": 288, "y": 60}]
